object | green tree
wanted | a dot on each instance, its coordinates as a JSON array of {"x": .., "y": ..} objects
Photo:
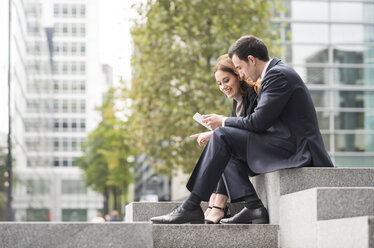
[
  {"x": 105, "y": 154},
  {"x": 176, "y": 45}
]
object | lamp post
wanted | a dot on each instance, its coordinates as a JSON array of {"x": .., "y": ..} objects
[{"x": 9, "y": 215}]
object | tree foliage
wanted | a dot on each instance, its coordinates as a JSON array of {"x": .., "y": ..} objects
[
  {"x": 176, "y": 44},
  {"x": 105, "y": 153}
]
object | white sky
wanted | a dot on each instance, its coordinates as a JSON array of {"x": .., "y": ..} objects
[{"x": 115, "y": 20}]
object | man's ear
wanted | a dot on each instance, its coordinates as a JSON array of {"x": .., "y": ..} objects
[{"x": 251, "y": 59}]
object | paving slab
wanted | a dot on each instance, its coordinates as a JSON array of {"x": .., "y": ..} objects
[{"x": 73, "y": 234}]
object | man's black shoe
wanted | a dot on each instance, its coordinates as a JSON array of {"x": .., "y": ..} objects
[
  {"x": 249, "y": 216},
  {"x": 180, "y": 215}
]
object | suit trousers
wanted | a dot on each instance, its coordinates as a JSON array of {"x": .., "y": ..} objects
[{"x": 225, "y": 155}]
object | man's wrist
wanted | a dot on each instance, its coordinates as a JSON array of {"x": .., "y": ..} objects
[{"x": 223, "y": 121}]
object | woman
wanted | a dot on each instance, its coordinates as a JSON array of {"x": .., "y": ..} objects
[{"x": 244, "y": 101}]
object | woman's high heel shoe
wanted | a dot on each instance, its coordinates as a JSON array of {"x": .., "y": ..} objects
[{"x": 225, "y": 215}]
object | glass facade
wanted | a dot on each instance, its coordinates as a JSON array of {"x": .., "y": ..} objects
[{"x": 330, "y": 43}]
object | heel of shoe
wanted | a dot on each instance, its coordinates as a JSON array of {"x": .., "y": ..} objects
[
  {"x": 197, "y": 222},
  {"x": 261, "y": 221}
]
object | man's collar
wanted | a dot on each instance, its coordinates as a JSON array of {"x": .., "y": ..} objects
[{"x": 265, "y": 69}]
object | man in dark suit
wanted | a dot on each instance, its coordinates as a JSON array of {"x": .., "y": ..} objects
[{"x": 282, "y": 132}]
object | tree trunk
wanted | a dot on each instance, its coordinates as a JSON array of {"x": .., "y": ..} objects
[{"x": 106, "y": 201}]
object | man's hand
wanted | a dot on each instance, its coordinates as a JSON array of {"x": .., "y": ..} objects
[
  {"x": 213, "y": 121},
  {"x": 202, "y": 138}
]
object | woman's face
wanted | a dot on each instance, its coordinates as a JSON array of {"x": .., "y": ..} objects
[{"x": 228, "y": 83}]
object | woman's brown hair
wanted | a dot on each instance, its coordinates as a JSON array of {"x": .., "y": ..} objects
[{"x": 224, "y": 63}]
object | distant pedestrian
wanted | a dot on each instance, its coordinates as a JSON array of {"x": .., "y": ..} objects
[
  {"x": 107, "y": 217},
  {"x": 99, "y": 218},
  {"x": 114, "y": 216}
]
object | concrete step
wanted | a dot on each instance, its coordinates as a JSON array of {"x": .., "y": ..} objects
[
  {"x": 271, "y": 186},
  {"x": 301, "y": 211},
  {"x": 207, "y": 236},
  {"x": 44, "y": 234},
  {"x": 357, "y": 232},
  {"x": 143, "y": 211}
]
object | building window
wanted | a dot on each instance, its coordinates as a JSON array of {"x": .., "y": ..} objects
[
  {"x": 56, "y": 162},
  {"x": 83, "y": 11},
  {"x": 74, "y": 214},
  {"x": 56, "y": 10},
  {"x": 83, "y": 49},
  {"x": 83, "y": 106},
  {"x": 74, "y": 11},
  {"x": 73, "y": 187},
  {"x": 83, "y": 125},
  {"x": 56, "y": 145},
  {"x": 65, "y": 10}
]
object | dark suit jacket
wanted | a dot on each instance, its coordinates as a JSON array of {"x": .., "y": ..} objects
[
  {"x": 249, "y": 103},
  {"x": 283, "y": 129}
]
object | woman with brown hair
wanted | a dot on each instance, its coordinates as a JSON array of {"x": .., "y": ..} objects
[{"x": 244, "y": 101}]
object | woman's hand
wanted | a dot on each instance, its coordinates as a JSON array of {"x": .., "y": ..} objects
[
  {"x": 202, "y": 138},
  {"x": 213, "y": 121}
]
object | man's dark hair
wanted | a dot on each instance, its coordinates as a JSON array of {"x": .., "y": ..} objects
[{"x": 249, "y": 45}]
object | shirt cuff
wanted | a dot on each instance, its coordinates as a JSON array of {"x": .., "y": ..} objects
[{"x": 223, "y": 121}]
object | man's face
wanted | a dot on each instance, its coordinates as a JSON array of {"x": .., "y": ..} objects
[{"x": 246, "y": 69}]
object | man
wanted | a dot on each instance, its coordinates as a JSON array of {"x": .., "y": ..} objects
[{"x": 282, "y": 132}]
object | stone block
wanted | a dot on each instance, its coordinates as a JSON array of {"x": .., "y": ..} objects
[
  {"x": 82, "y": 235},
  {"x": 357, "y": 232},
  {"x": 301, "y": 211},
  {"x": 143, "y": 211},
  {"x": 256, "y": 236},
  {"x": 271, "y": 186}
]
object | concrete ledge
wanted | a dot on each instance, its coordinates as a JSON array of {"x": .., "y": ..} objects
[
  {"x": 271, "y": 186},
  {"x": 355, "y": 232},
  {"x": 256, "y": 236},
  {"x": 301, "y": 211},
  {"x": 143, "y": 211},
  {"x": 28, "y": 234}
]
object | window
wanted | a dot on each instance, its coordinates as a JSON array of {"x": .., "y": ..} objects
[
  {"x": 65, "y": 162},
  {"x": 83, "y": 68},
  {"x": 56, "y": 163},
  {"x": 56, "y": 10},
  {"x": 72, "y": 187},
  {"x": 56, "y": 124},
  {"x": 74, "y": 11},
  {"x": 74, "y": 143},
  {"x": 65, "y": 48},
  {"x": 83, "y": 124},
  {"x": 56, "y": 145},
  {"x": 74, "y": 30},
  {"x": 74, "y": 107},
  {"x": 65, "y": 29},
  {"x": 65, "y": 124},
  {"x": 65, "y": 144},
  {"x": 83, "y": 87},
  {"x": 65, "y": 106},
  {"x": 74, "y": 214},
  {"x": 55, "y": 105},
  {"x": 65, "y": 86},
  {"x": 74, "y": 68},
  {"x": 83, "y": 49},
  {"x": 65, "y": 68},
  {"x": 82, "y": 30},
  {"x": 83, "y": 11},
  {"x": 65, "y": 11},
  {"x": 73, "y": 48},
  {"x": 83, "y": 106}
]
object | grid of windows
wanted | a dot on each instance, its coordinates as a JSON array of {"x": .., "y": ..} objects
[
  {"x": 56, "y": 106},
  {"x": 70, "y": 49},
  {"x": 73, "y": 10},
  {"x": 69, "y": 68},
  {"x": 69, "y": 29},
  {"x": 331, "y": 45}
]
